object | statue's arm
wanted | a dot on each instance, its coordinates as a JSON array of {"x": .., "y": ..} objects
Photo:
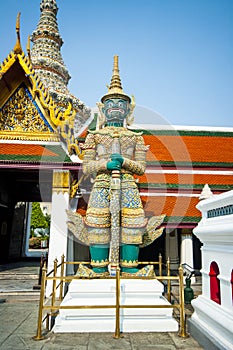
[
  {"x": 138, "y": 165},
  {"x": 90, "y": 163}
]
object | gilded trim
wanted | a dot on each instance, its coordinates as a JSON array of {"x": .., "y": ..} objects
[
  {"x": 61, "y": 181},
  {"x": 23, "y": 136},
  {"x": 97, "y": 263},
  {"x": 128, "y": 263}
]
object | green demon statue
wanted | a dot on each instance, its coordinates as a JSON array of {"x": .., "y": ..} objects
[{"x": 115, "y": 226}]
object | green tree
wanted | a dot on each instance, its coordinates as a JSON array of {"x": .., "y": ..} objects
[
  {"x": 48, "y": 219},
  {"x": 38, "y": 219}
]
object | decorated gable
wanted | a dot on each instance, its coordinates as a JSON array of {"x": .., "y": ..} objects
[{"x": 21, "y": 113}]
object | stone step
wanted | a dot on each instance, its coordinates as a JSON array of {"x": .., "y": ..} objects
[
  {"x": 17, "y": 276},
  {"x": 156, "y": 316},
  {"x": 20, "y": 293}
]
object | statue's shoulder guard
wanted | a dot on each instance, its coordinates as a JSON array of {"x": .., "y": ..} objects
[
  {"x": 135, "y": 133},
  {"x": 104, "y": 131},
  {"x": 94, "y": 132}
]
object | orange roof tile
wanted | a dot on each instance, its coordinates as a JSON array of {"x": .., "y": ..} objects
[
  {"x": 171, "y": 206},
  {"x": 11, "y": 153},
  {"x": 189, "y": 148},
  {"x": 24, "y": 149},
  {"x": 192, "y": 179}
]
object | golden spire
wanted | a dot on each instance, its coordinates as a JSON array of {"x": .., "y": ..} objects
[
  {"x": 18, "y": 48},
  {"x": 116, "y": 80},
  {"x": 115, "y": 88}
]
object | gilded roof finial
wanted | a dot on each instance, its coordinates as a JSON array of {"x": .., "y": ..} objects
[
  {"x": 18, "y": 48},
  {"x": 115, "y": 88}
]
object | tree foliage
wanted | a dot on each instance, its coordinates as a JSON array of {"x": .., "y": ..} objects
[{"x": 38, "y": 219}]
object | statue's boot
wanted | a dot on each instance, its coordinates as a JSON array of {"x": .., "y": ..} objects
[
  {"x": 129, "y": 258},
  {"x": 129, "y": 262},
  {"x": 99, "y": 258}
]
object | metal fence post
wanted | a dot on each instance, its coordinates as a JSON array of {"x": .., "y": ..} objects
[
  {"x": 62, "y": 275},
  {"x": 41, "y": 304},
  {"x": 54, "y": 282},
  {"x": 160, "y": 265},
  {"x": 182, "y": 333}
]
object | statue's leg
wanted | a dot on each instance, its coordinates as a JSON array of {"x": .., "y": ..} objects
[
  {"x": 129, "y": 258},
  {"x": 99, "y": 257}
]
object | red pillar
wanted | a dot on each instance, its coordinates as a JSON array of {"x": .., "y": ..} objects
[{"x": 215, "y": 294}]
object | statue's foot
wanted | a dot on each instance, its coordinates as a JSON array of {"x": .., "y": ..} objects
[
  {"x": 84, "y": 271},
  {"x": 147, "y": 271}
]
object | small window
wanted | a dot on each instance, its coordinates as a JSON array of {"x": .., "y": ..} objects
[{"x": 215, "y": 294}]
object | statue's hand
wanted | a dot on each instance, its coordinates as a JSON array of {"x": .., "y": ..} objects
[
  {"x": 118, "y": 157},
  {"x": 114, "y": 165}
]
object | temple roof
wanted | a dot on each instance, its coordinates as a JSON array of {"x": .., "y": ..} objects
[
  {"x": 27, "y": 110},
  {"x": 180, "y": 211},
  {"x": 25, "y": 155},
  {"x": 212, "y": 149},
  {"x": 193, "y": 181}
]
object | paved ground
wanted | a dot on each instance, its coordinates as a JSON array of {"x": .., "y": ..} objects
[{"x": 18, "y": 311}]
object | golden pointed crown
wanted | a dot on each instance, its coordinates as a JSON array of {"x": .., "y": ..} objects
[
  {"x": 18, "y": 48},
  {"x": 115, "y": 89}
]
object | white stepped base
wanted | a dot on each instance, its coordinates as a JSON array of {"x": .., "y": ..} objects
[
  {"x": 213, "y": 321},
  {"x": 102, "y": 292}
]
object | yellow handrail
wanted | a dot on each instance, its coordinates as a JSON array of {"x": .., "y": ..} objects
[
  {"x": 41, "y": 306},
  {"x": 52, "y": 308}
]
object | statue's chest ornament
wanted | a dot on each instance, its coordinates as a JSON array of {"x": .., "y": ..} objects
[{"x": 104, "y": 144}]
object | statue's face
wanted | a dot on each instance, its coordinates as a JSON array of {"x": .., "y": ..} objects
[{"x": 115, "y": 110}]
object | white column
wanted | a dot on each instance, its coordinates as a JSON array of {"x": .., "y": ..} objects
[
  {"x": 186, "y": 249},
  {"x": 58, "y": 230},
  {"x": 28, "y": 224},
  {"x": 172, "y": 248}
]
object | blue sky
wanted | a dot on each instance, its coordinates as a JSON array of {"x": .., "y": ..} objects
[{"x": 176, "y": 56}]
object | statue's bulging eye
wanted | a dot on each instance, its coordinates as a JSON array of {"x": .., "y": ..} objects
[{"x": 110, "y": 104}]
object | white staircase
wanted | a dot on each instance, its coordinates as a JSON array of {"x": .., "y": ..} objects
[{"x": 103, "y": 292}]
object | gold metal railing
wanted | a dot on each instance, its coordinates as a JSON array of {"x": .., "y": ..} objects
[{"x": 58, "y": 288}]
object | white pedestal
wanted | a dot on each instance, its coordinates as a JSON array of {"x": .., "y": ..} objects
[
  {"x": 103, "y": 292},
  {"x": 211, "y": 322}
]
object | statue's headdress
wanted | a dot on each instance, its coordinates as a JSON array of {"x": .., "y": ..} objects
[{"x": 115, "y": 89}]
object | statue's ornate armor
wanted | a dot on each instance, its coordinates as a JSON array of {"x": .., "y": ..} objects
[
  {"x": 115, "y": 226},
  {"x": 97, "y": 150}
]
